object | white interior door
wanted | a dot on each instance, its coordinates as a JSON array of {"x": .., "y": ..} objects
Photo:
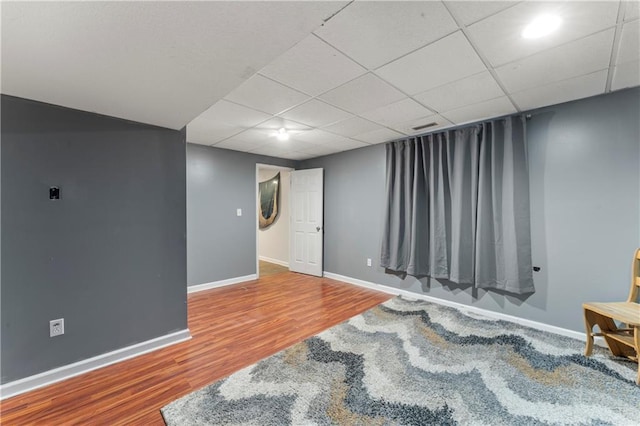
[{"x": 306, "y": 230}]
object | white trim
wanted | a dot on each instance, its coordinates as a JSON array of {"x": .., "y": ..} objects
[
  {"x": 474, "y": 309},
  {"x": 221, "y": 283},
  {"x": 71, "y": 370},
  {"x": 276, "y": 261}
]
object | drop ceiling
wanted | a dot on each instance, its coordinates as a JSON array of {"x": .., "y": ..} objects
[{"x": 336, "y": 75}]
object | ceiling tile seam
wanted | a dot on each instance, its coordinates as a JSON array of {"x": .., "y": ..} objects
[
  {"x": 415, "y": 50},
  {"x": 333, "y": 15},
  {"x": 312, "y": 97},
  {"x": 349, "y": 112},
  {"x": 442, "y": 85},
  {"x": 486, "y": 17},
  {"x": 343, "y": 53},
  {"x": 324, "y": 102},
  {"x": 564, "y": 80},
  {"x": 443, "y": 113},
  {"x": 484, "y": 60},
  {"x": 240, "y": 105},
  {"x": 615, "y": 47},
  {"x": 367, "y": 71},
  {"x": 557, "y": 46},
  {"x": 281, "y": 84}
]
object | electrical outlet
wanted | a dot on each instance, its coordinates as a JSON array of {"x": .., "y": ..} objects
[
  {"x": 368, "y": 262},
  {"x": 56, "y": 327}
]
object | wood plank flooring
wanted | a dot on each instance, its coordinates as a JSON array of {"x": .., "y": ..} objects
[
  {"x": 268, "y": 268},
  {"x": 232, "y": 327}
]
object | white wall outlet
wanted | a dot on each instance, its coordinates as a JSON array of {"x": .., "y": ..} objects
[
  {"x": 239, "y": 212},
  {"x": 368, "y": 262},
  {"x": 56, "y": 327}
]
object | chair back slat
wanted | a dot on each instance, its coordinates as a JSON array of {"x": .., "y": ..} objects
[{"x": 635, "y": 279}]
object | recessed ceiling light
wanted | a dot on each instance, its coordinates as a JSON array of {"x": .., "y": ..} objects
[{"x": 541, "y": 26}]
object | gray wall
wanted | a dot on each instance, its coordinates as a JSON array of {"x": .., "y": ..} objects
[
  {"x": 221, "y": 245},
  {"x": 585, "y": 181},
  {"x": 109, "y": 257}
]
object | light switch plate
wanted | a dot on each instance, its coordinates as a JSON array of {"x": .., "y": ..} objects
[{"x": 239, "y": 212}]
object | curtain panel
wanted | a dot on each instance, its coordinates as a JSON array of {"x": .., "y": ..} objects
[{"x": 458, "y": 206}]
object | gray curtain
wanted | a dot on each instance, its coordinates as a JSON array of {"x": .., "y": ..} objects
[{"x": 458, "y": 206}]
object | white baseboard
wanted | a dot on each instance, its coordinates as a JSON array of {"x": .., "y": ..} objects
[
  {"x": 221, "y": 283},
  {"x": 474, "y": 309},
  {"x": 46, "y": 378},
  {"x": 276, "y": 261}
]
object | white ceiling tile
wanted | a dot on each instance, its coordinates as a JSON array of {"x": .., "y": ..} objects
[
  {"x": 499, "y": 36},
  {"x": 157, "y": 62},
  {"x": 467, "y": 91},
  {"x": 315, "y": 136},
  {"x": 238, "y": 144},
  {"x": 268, "y": 150},
  {"x": 233, "y": 114},
  {"x": 469, "y": 12},
  {"x": 446, "y": 60},
  {"x": 626, "y": 75},
  {"x": 407, "y": 127},
  {"x": 292, "y": 144},
  {"x": 379, "y": 136},
  {"x": 199, "y": 143},
  {"x": 295, "y": 155},
  {"x": 562, "y": 91},
  {"x": 312, "y": 56},
  {"x": 363, "y": 94},
  {"x": 352, "y": 126},
  {"x": 632, "y": 10},
  {"x": 254, "y": 136},
  {"x": 266, "y": 95},
  {"x": 341, "y": 143},
  {"x": 629, "y": 43},
  {"x": 319, "y": 150},
  {"x": 487, "y": 109},
  {"x": 316, "y": 113},
  {"x": 348, "y": 144},
  {"x": 278, "y": 123},
  {"x": 374, "y": 33},
  {"x": 205, "y": 132},
  {"x": 397, "y": 112},
  {"x": 579, "y": 57}
]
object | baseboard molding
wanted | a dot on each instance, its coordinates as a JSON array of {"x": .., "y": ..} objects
[
  {"x": 46, "y": 378},
  {"x": 276, "y": 261},
  {"x": 474, "y": 309},
  {"x": 221, "y": 283}
]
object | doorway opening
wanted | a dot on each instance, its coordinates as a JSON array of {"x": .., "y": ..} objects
[{"x": 272, "y": 239}]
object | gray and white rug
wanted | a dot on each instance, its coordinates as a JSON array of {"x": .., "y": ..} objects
[{"x": 418, "y": 363}]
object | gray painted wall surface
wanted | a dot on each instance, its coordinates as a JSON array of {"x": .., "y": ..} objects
[
  {"x": 109, "y": 257},
  {"x": 585, "y": 181},
  {"x": 221, "y": 245}
]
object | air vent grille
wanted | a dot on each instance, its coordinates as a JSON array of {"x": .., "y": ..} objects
[{"x": 425, "y": 126}]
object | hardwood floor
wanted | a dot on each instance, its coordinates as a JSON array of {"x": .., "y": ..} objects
[
  {"x": 232, "y": 327},
  {"x": 268, "y": 268}
]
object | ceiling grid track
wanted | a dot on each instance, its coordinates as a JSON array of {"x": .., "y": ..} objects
[
  {"x": 616, "y": 46},
  {"x": 482, "y": 57}
]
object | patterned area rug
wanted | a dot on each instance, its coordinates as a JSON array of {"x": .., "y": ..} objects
[{"x": 418, "y": 363}]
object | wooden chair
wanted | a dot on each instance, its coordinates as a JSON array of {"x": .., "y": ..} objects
[{"x": 622, "y": 340}]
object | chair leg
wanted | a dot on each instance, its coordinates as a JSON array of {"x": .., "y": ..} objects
[
  {"x": 589, "y": 322},
  {"x": 636, "y": 342}
]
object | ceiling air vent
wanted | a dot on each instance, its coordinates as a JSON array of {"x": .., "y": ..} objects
[{"x": 424, "y": 126}]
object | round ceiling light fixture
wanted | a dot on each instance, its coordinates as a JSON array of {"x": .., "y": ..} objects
[
  {"x": 282, "y": 134},
  {"x": 542, "y": 26}
]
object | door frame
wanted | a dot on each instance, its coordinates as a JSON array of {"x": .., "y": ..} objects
[{"x": 257, "y": 208}]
